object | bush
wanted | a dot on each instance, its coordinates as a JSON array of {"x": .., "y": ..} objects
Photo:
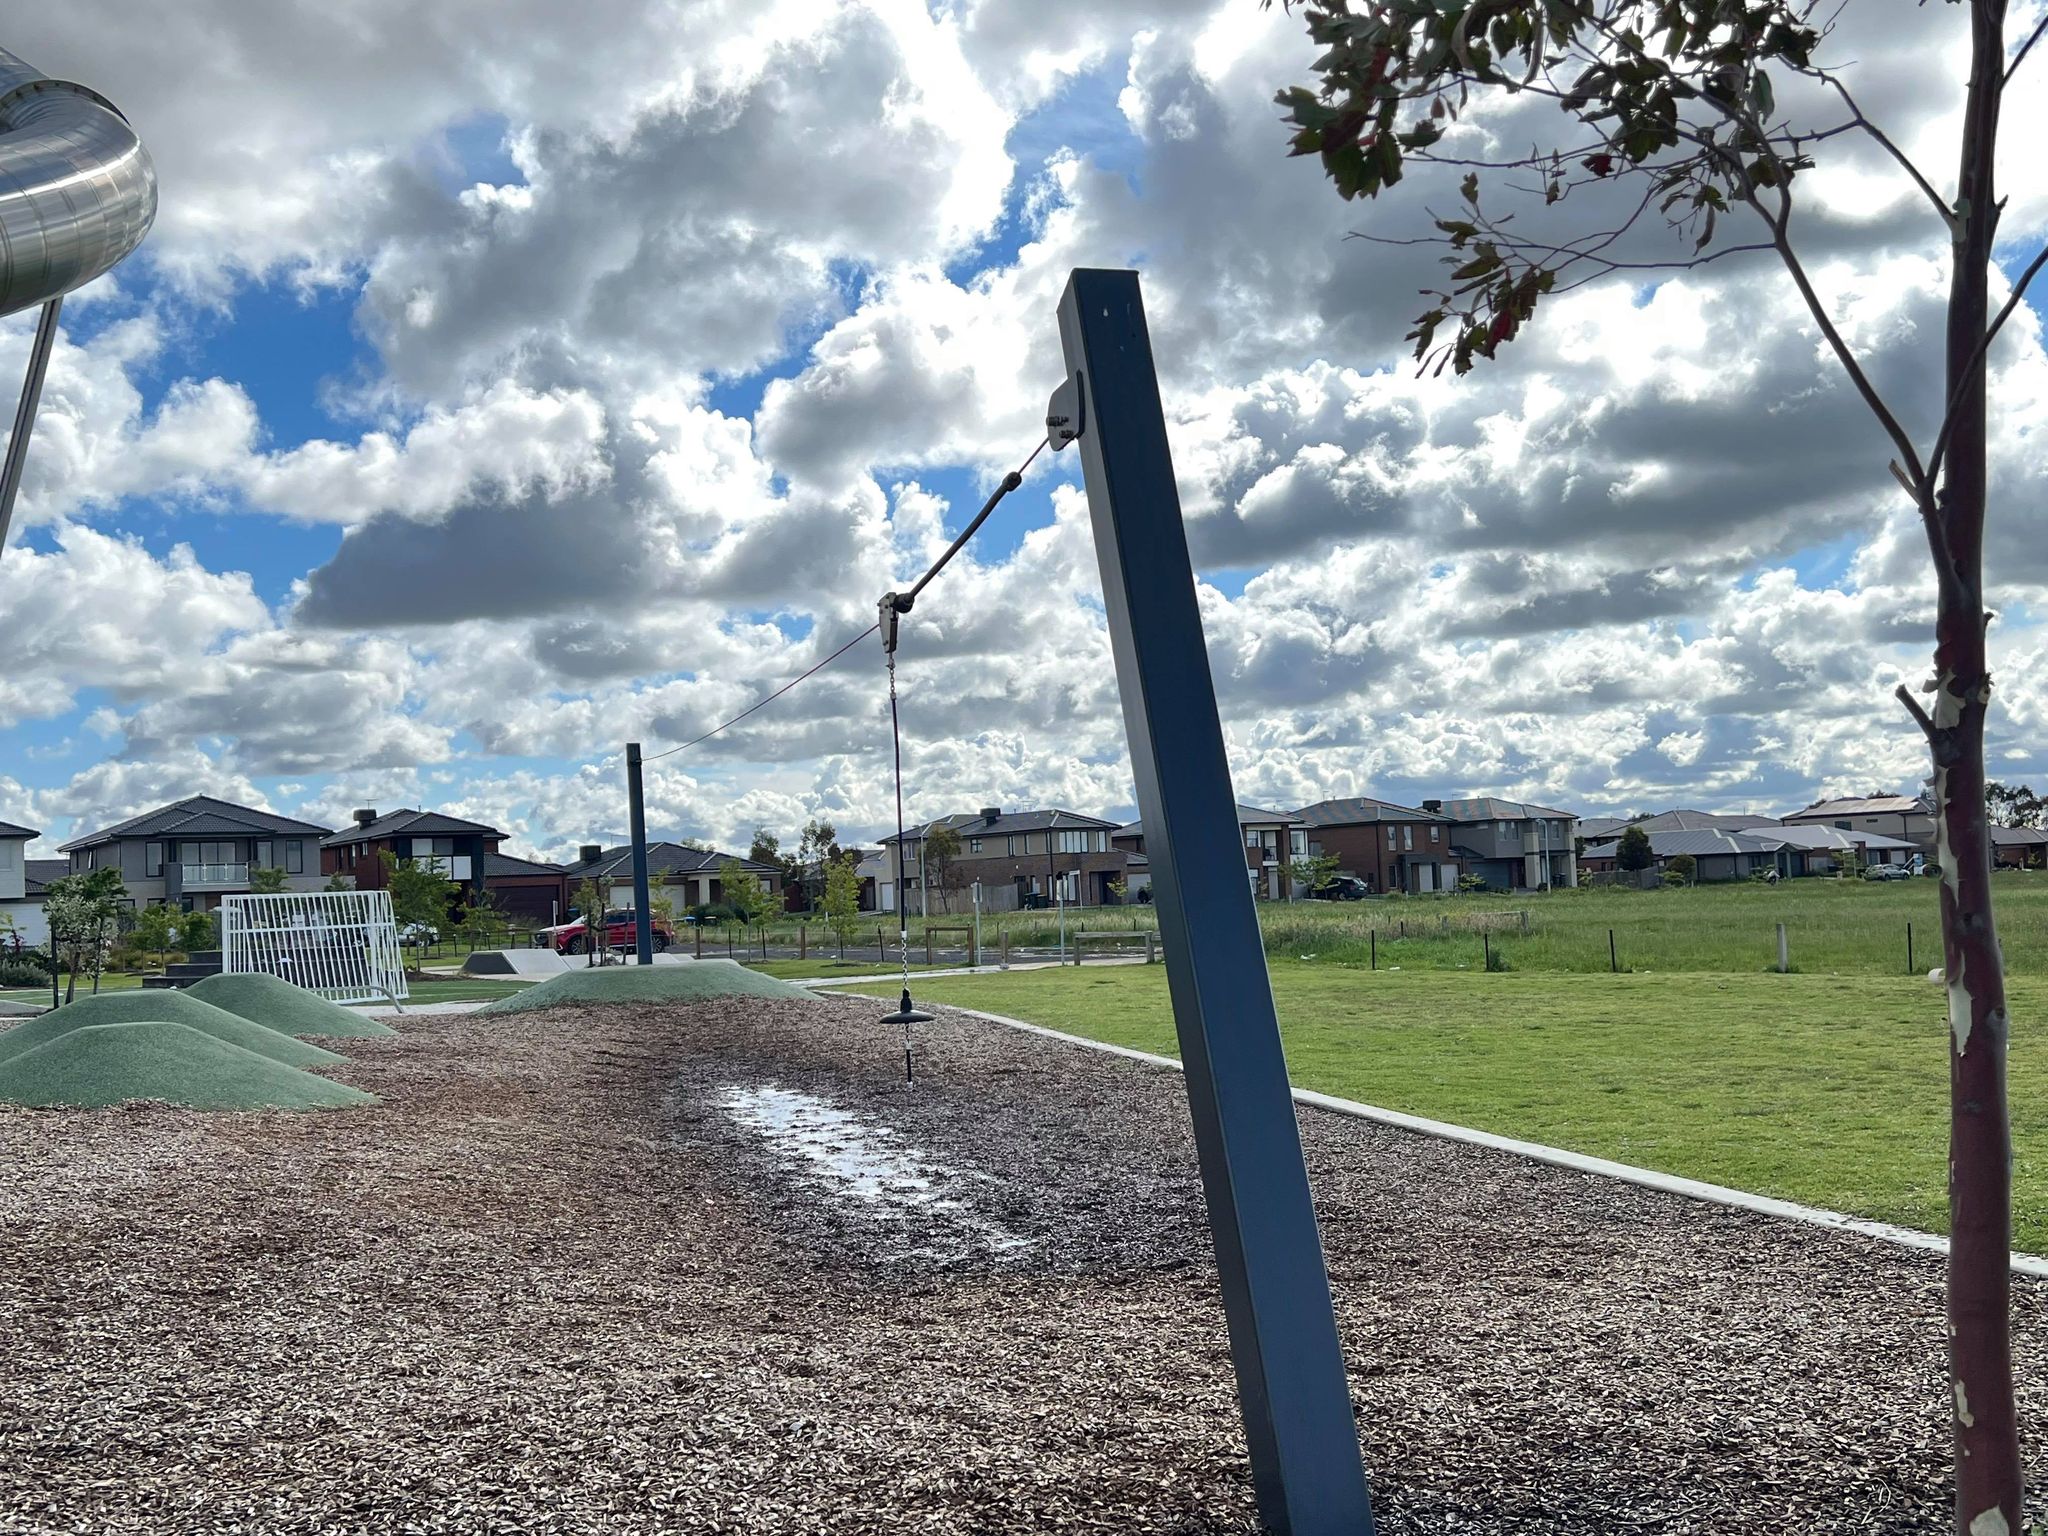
[
  {"x": 1465, "y": 883},
  {"x": 27, "y": 969},
  {"x": 1497, "y": 960},
  {"x": 1674, "y": 877}
]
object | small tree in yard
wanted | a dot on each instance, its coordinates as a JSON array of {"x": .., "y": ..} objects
[
  {"x": 1633, "y": 851},
  {"x": 420, "y": 894},
  {"x": 1676, "y": 104},
  {"x": 84, "y": 915},
  {"x": 197, "y": 930},
  {"x": 743, "y": 893},
  {"x": 1119, "y": 889},
  {"x": 815, "y": 853},
  {"x": 156, "y": 929},
  {"x": 1313, "y": 870},
  {"x": 267, "y": 882},
  {"x": 590, "y": 903},
  {"x": 941, "y": 852},
  {"x": 1685, "y": 866},
  {"x": 842, "y": 898}
]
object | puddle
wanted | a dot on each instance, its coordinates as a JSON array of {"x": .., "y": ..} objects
[{"x": 872, "y": 1170}]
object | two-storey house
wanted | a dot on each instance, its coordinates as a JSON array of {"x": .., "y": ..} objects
[
  {"x": 23, "y": 923},
  {"x": 1512, "y": 845},
  {"x": 194, "y": 851},
  {"x": 1390, "y": 847},
  {"x": 1272, "y": 840},
  {"x": 1909, "y": 817},
  {"x": 1019, "y": 858}
]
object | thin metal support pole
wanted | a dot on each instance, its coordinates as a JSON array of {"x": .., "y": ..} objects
[
  {"x": 25, "y": 413},
  {"x": 1307, "y": 1472},
  {"x": 643, "y": 900}
]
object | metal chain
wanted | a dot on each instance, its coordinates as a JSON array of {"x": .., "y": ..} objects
[{"x": 902, "y": 897}]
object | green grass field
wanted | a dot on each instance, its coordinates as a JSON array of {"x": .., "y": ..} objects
[
  {"x": 1830, "y": 1090},
  {"x": 1855, "y": 927}
]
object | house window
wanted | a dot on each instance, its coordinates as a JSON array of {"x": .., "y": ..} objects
[
  {"x": 1506, "y": 829},
  {"x": 295, "y": 857},
  {"x": 1073, "y": 842},
  {"x": 1297, "y": 843},
  {"x": 152, "y": 861},
  {"x": 265, "y": 856},
  {"x": 1251, "y": 837},
  {"x": 1010, "y": 846},
  {"x": 1390, "y": 837},
  {"x": 1407, "y": 837},
  {"x": 1433, "y": 831},
  {"x": 974, "y": 845}
]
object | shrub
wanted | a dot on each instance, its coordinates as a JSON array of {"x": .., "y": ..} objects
[
  {"x": 1497, "y": 960},
  {"x": 27, "y": 969}
]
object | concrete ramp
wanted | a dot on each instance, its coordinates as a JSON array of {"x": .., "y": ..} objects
[{"x": 538, "y": 963}]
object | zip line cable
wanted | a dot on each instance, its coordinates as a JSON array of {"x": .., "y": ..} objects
[
  {"x": 769, "y": 699},
  {"x": 1009, "y": 483}
]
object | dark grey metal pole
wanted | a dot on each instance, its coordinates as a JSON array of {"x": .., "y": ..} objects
[
  {"x": 636, "y": 810},
  {"x": 1306, "y": 1467},
  {"x": 25, "y": 413}
]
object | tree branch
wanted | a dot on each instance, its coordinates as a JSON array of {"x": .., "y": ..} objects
[
  {"x": 1925, "y": 721},
  {"x": 2027, "y": 47},
  {"x": 1977, "y": 361},
  {"x": 1941, "y": 207}
]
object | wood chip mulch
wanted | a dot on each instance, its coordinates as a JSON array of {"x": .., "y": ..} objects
[{"x": 568, "y": 1277}]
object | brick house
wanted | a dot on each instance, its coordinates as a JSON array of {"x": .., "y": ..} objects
[
  {"x": 1390, "y": 847},
  {"x": 1270, "y": 839}
]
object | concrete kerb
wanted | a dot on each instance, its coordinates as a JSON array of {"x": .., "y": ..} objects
[{"x": 1558, "y": 1157}]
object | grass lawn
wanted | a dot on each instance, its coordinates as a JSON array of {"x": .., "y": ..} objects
[
  {"x": 112, "y": 982},
  {"x": 1830, "y": 1090},
  {"x": 792, "y": 970},
  {"x": 462, "y": 989}
]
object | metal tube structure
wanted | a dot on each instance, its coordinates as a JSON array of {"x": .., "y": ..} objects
[
  {"x": 1306, "y": 1466},
  {"x": 643, "y": 901},
  {"x": 77, "y": 195}
]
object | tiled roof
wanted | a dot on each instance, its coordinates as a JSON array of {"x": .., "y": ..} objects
[
  {"x": 662, "y": 859},
  {"x": 1868, "y": 805},
  {"x": 37, "y": 873},
  {"x": 1359, "y": 809},
  {"x": 197, "y": 816},
  {"x": 1700, "y": 844},
  {"x": 505, "y": 864},
  {"x": 1488, "y": 808},
  {"x": 412, "y": 823},
  {"x": 1830, "y": 837},
  {"x": 1594, "y": 828},
  {"x": 1247, "y": 816},
  {"x": 9, "y": 829},
  {"x": 977, "y": 825}
]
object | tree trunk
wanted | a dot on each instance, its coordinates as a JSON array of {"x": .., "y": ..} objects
[{"x": 1980, "y": 1142}]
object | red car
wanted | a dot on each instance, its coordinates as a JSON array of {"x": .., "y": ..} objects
[{"x": 573, "y": 937}]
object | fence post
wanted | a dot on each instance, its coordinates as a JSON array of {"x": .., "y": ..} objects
[
  {"x": 1486, "y": 947},
  {"x": 1150, "y": 936},
  {"x": 1613, "y": 962},
  {"x": 1784, "y": 951},
  {"x": 803, "y": 942},
  {"x": 881, "y": 946},
  {"x": 928, "y": 955},
  {"x": 1003, "y": 938},
  {"x": 1374, "y": 935},
  {"x": 764, "y": 941},
  {"x": 1525, "y": 922},
  {"x": 1909, "y": 949}
]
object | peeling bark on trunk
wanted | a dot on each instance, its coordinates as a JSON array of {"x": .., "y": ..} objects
[{"x": 1988, "y": 1475}]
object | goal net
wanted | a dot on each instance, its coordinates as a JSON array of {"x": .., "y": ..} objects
[{"x": 340, "y": 944}]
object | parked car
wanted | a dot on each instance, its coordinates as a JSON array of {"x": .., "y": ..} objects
[
  {"x": 1888, "y": 872},
  {"x": 419, "y": 934},
  {"x": 1341, "y": 888},
  {"x": 573, "y": 937}
]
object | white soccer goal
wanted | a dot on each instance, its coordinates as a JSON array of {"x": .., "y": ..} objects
[{"x": 340, "y": 944}]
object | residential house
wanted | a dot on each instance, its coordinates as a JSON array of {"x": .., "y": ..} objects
[
  {"x": 1018, "y": 858},
  {"x": 194, "y": 851},
  {"x": 1510, "y": 844},
  {"x": 1271, "y": 840},
  {"x": 1720, "y": 855},
  {"x": 30, "y": 924},
  {"x": 2019, "y": 847},
  {"x": 19, "y": 912},
  {"x": 1390, "y": 847},
  {"x": 688, "y": 875},
  {"x": 449, "y": 845},
  {"x": 1598, "y": 829},
  {"x": 526, "y": 890},
  {"x": 1910, "y": 817}
]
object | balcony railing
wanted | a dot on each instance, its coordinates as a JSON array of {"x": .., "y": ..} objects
[{"x": 203, "y": 877}]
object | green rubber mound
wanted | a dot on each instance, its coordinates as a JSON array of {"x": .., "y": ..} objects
[
  {"x": 165, "y": 1007},
  {"x": 273, "y": 1001},
  {"x": 687, "y": 983},
  {"x": 95, "y": 1065}
]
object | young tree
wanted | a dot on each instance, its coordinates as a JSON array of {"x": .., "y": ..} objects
[
  {"x": 1673, "y": 112},
  {"x": 266, "y": 882},
  {"x": 1311, "y": 870},
  {"x": 815, "y": 852},
  {"x": 156, "y": 929},
  {"x": 84, "y": 915},
  {"x": 1119, "y": 889},
  {"x": 420, "y": 895},
  {"x": 842, "y": 898},
  {"x": 482, "y": 920},
  {"x": 1685, "y": 866},
  {"x": 197, "y": 931},
  {"x": 590, "y": 904},
  {"x": 743, "y": 893},
  {"x": 339, "y": 882},
  {"x": 941, "y": 852},
  {"x": 1633, "y": 850}
]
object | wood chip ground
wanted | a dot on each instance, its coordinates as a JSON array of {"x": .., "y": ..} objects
[{"x": 562, "y": 1280}]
